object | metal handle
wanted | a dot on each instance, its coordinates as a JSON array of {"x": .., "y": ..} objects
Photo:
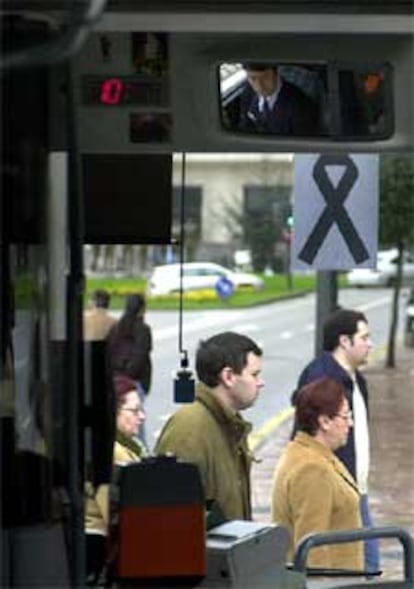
[{"x": 340, "y": 537}]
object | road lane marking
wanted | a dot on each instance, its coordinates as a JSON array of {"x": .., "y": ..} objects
[
  {"x": 245, "y": 327},
  {"x": 258, "y": 436},
  {"x": 373, "y": 304},
  {"x": 212, "y": 319},
  {"x": 221, "y": 317}
]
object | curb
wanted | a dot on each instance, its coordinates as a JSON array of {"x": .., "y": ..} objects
[{"x": 258, "y": 437}]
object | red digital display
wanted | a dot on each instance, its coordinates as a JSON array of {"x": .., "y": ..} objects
[
  {"x": 137, "y": 90},
  {"x": 112, "y": 90}
]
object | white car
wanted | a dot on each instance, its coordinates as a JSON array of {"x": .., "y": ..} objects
[
  {"x": 386, "y": 270},
  {"x": 196, "y": 276}
]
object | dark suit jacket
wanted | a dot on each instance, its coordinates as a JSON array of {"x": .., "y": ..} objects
[
  {"x": 326, "y": 365},
  {"x": 293, "y": 113}
]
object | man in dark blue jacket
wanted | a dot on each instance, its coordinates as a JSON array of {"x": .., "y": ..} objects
[{"x": 346, "y": 342}]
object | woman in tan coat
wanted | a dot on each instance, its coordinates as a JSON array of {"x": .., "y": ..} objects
[
  {"x": 127, "y": 448},
  {"x": 312, "y": 490}
]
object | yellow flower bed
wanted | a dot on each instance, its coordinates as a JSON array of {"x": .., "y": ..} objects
[
  {"x": 207, "y": 294},
  {"x": 124, "y": 291}
]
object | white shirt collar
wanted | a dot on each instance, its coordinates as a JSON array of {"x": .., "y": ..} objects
[{"x": 271, "y": 98}]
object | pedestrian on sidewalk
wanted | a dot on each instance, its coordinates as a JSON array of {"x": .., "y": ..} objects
[
  {"x": 210, "y": 432},
  {"x": 312, "y": 489},
  {"x": 347, "y": 343},
  {"x": 97, "y": 322}
]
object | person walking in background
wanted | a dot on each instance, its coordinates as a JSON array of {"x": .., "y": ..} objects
[
  {"x": 130, "y": 416},
  {"x": 210, "y": 432},
  {"x": 130, "y": 346},
  {"x": 347, "y": 343},
  {"x": 97, "y": 322},
  {"x": 312, "y": 489}
]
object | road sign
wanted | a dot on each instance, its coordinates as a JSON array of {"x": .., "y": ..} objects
[
  {"x": 335, "y": 211},
  {"x": 224, "y": 287}
]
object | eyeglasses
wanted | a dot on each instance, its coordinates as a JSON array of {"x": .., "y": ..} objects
[
  {"x": 134, "y": 410},
  {"x": 348, "y": 416}
]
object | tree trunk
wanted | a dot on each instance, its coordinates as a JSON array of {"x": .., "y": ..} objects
[{"x": 390, "y": 357}]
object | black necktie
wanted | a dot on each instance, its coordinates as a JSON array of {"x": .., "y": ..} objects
[{"x": 266, "y": 113}]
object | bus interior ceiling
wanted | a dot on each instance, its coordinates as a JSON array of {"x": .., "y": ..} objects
[{"x": 184, "y": 106}]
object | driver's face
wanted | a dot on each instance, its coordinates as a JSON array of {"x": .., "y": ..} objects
[{"x": 263, "y": 81}]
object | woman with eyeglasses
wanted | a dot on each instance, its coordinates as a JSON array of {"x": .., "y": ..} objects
[
  {"x": 130, "y": 416},
  {"x": 127, "y": 448},
  {"x": 312, "y": 489}
]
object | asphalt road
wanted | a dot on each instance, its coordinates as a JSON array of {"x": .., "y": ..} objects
[{"x": 285, "y": 330}]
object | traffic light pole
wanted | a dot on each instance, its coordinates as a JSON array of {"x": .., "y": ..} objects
[{"x": 326, "y": 302}]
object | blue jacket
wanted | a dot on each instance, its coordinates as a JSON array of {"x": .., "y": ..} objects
[{"x": 326, "y": 365}]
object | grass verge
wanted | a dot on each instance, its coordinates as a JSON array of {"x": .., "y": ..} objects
[{"x": 275, "y": 288}]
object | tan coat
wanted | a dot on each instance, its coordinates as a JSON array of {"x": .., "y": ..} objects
[
  {"x": 215, "y": 439},
  {"x": 97, "y": 501},
  {"x": 124, "y": 455},
  {"x": 96, "y": 509},
  {"x": 314, "y": 492},
  {"x": 97, "y": 324}
]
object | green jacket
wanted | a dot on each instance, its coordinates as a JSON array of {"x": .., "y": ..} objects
[{"x": 215, "y": 439}]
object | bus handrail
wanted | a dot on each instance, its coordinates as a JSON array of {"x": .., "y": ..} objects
[{"x": 342, "y": 536}]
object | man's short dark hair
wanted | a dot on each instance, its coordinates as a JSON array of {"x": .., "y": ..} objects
[
  {"x": 221, "y": 350},
  {"x": 101, "y": 298},
  {"x": 341, "y": 322},
  {"x": 256, "y": 66}
]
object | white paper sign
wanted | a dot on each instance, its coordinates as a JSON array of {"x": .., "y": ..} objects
[{"x": 335, "y": 211}]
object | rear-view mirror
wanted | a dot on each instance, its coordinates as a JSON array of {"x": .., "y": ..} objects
[{"x": 340, "y": 101}]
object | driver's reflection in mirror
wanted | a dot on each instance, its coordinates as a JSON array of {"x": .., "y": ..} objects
[{"x": 270, "y": 104}]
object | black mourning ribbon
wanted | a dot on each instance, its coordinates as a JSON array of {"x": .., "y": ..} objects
[{"x": 334, "y": 211}]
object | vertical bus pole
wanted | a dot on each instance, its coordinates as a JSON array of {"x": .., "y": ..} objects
[{"x": 326, "y": 302}]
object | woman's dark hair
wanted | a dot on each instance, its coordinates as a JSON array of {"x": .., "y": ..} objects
[
  {"x": 135, "y": 303},
  {"x": 134, "y": 306},
  {"x": 122, "y": 386},
  {"x": 341, "y": 322},
  {"x": 221, "y": 350},
  {"x": 323, "y": 396}
]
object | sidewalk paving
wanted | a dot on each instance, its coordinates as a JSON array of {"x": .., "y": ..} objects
[{"x": 392, "y": 456}]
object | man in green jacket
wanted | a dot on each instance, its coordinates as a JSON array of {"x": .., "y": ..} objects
[{"x": 210, "y": 432}]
